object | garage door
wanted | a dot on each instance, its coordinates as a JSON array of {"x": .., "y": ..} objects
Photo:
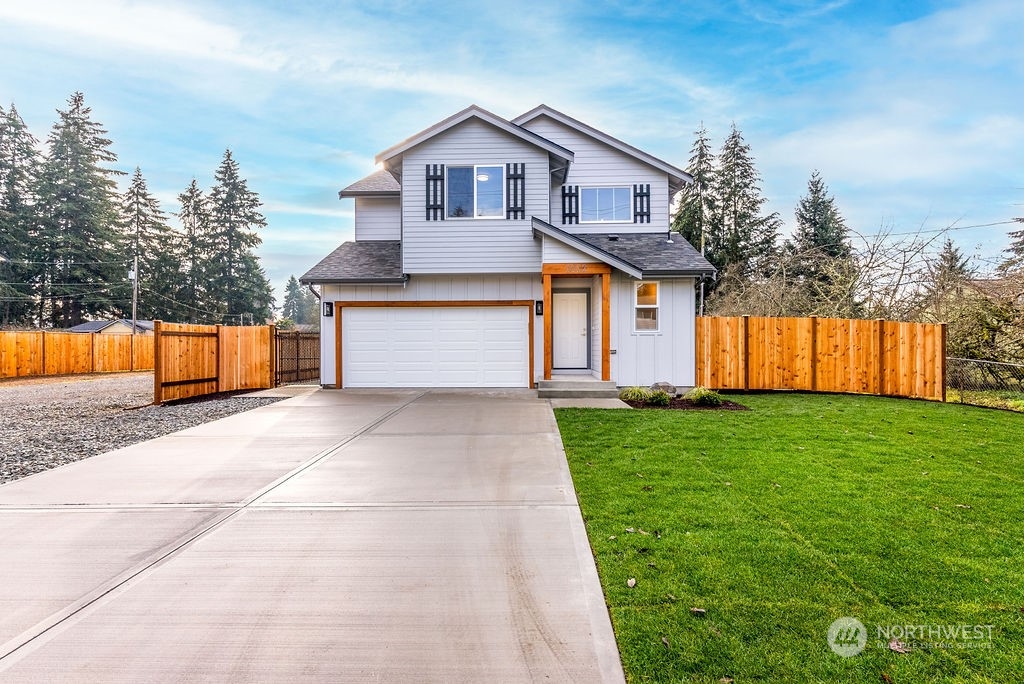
[{"x": 484, "y": 346}]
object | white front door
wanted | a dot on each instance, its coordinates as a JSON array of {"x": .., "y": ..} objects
[{"x": 570, "y": 335}]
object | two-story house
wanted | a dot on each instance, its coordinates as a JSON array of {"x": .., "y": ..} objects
[{"x": 497, "y": 253}]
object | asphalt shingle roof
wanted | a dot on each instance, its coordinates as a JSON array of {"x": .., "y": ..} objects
[
  {"x": 359, "y": 262},
  {"x": 652, "y": 253},
  {"x": 377, "y": 183}
]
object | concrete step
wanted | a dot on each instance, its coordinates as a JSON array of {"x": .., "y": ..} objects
[
  {"x": 576, "y": 384},
  {"x": 576, "y": 389}
]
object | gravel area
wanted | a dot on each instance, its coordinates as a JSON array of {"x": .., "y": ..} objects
[{"x": 47, "y": 422}]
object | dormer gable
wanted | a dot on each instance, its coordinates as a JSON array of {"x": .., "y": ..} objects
[{"x": 677, "y": 178}]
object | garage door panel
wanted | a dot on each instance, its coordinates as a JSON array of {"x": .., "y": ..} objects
[{"x": 435, "y": 346}]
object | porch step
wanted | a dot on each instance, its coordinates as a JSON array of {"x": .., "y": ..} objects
[{"x": 576, "y": 389}]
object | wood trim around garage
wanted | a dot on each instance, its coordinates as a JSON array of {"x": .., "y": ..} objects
[
  {"x": 582, "y": 269},
  {"x": 339, "y": 307}
]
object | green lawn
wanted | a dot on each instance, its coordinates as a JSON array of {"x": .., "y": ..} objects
[{"x": 808, "y": 508}]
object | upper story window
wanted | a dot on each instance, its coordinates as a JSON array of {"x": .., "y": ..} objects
[
  {"x": 646, "y": 294},
  {"x": 476, "y": 192},
  {"x": 605, "y": 204}
]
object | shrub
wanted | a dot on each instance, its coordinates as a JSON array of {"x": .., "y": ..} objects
[
  {"x": 702, "y": 396},
  {"x": 659, "y": 398},
  {"x": 635, "y": 394}
]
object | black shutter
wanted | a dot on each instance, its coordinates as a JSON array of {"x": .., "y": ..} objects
[
  {"x": 570, "y": 204},
  {"x": 515, "y": 191},
  {"x": 435, "y": 192},
  {"x": 642, "y": 203}
]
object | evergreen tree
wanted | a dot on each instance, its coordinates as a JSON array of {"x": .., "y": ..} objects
[
  {"x": 77, "y": 241},
  {"x": 19, "y": 172},
  {"x": 155, "y": 245},
  {"x": 1015, "y": 259},
  {"x": 950, "y": 270},
  {"x": 239, "y": 282},
  {"x": 310, "y": 309},
  {"x": 697, "y": 202},
  {"x": 821, "y": 235},
  {"x": 197, "y": 254},
  {"x": 294, "y": 306},
  {"x": 739, "y": 237}
]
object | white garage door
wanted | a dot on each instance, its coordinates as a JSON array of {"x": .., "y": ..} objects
[{"x": 435, "y": 347}]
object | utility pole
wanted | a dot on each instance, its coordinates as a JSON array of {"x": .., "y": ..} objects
[{"x": 135, "y": 288}]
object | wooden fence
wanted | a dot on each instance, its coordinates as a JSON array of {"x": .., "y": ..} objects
[
  {"x": 35, "y": 352},
  {"x": 822, "y": 355},
  {"x": 191, "y": 360}
]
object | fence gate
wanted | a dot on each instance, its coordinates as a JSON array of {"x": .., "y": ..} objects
[{"x": 298, "y": 356}]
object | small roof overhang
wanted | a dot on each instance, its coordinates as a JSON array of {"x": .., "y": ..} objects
[
  {"x": 640, "y": 255},
  {"x": 380, "y": 183}
]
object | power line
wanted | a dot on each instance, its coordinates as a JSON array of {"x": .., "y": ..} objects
[{"x": 949, "y": 228}]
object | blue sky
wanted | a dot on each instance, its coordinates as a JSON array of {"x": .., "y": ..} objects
[{"x": 911, "y": 110}]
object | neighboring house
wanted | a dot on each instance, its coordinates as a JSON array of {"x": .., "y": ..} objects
[
  {"x": 496, "y": 253},
  {"x": 120, "y": 326}
]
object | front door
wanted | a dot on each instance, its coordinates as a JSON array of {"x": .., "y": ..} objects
[{"x": 570, "y": 332}]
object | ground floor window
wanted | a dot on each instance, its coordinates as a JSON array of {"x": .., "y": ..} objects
[{"x": 646, "y": 295}]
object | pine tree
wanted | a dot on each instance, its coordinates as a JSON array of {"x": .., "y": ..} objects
[
  {"x": 821, "y": 235},
  {"x": 310, "y": 308},
  {"x": 294, "y": 301},
  {"x": 19, "y": 173},
  {"x": 239, "y": 282},
  {"x": 156, "y": 246},
  {"x": 739, "y": 237},
  {"x": 197, "y": 304},
  {"x": 1015, "y": 260},
  {"x": 77, "y": 240},
  {"x": 697, "y": 202}
]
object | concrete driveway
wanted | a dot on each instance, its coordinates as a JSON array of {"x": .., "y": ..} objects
[{"x": 336, "y": 536}]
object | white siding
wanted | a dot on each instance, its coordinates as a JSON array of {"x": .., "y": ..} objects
[
  {"x": 556, "y": 252},
  {"x": 471, "y": 245},
  {"x": 378, "y": 218},
  {"x": 434, "y": 288},
  {"x": 598, "y": 164},
  {"x": 669, "y": 354}
]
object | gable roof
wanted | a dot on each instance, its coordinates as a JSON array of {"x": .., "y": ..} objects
[
  {"x": 367, "y": 261},
  {"x": 98, "y": 326},
  {"x": 378, "y": 184},
  {"x": 677, "y": 177},
  {"x": 641, "y": 255},
  {"x": 474, "y": 112}
]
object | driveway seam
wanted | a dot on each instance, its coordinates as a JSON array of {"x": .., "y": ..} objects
[{"x": 32, "y": 635}]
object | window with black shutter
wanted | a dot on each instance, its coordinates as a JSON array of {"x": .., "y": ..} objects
[
  {"x": 570, "y": 204},
  {"x": 515, "y": 191},
  {"x": 642, "y": 203},
  {"x": 435, "y": 192}
]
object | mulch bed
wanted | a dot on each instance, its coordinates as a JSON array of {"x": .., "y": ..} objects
[{"x": 688, "y": 405}]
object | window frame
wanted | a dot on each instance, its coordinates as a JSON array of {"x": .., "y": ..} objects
[
  {"x": 501, "y": 166},
  {"x": 637, "y": 306},
  {"x": 582, "y": 189}
]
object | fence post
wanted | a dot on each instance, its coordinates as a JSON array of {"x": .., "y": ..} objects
[
  {"x": 272, "y": 382},
  {"x": 217, "y": 356},
  {"x": 880, "y": 390},
  {"x": 157, "y": 366},
  {"x": 131, "y": 350},
  {"x": 942, "y": 355},
  {"x": 746, "y": 352},
  {"x": 92, "y": 352},
  {"x": 814, "y": 353}
]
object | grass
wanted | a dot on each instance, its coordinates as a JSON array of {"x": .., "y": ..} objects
[
  {"x": 808, "y": 508},
  {"x": 1004, "y": 399}
]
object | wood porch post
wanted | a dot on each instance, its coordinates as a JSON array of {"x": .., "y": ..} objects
[
  {"x": 606, "y": 326},
  {"x": 547, "y": 326}
]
